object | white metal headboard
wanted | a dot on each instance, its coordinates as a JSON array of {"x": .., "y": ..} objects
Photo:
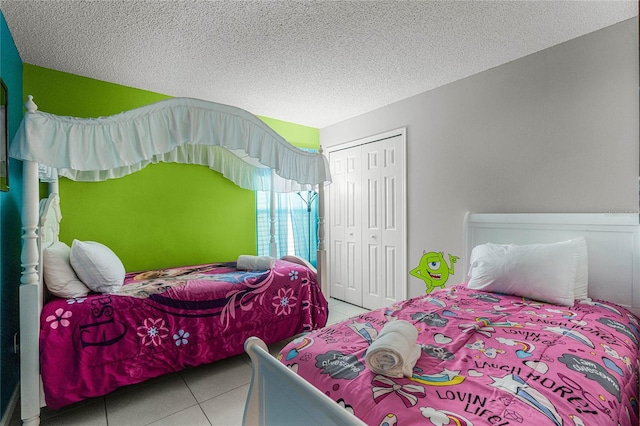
[{"x": 613, "y": 244}]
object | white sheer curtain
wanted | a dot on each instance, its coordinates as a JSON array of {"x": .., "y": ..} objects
[{"x": 296, "y": 222}]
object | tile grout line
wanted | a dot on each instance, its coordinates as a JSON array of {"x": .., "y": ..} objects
[{"x": 195, "y": 398}]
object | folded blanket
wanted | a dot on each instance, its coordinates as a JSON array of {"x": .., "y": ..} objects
[
  {"x": 255, "y": 263},
  {"x": 395, "y": 352}
]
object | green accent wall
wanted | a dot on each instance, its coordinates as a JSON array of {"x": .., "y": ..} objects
[
  {"x": 296, "y": 134},
  {"x": 10, "y": 225},
  {"x": 164, "y": 215},
  {"x": 62, "y": 93}
]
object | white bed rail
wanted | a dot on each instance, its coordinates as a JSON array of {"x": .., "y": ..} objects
[{"x": 279, "y": 397}]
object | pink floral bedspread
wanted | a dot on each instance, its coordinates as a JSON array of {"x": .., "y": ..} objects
[
  {"x": 167, "y": 320},
  {"x": 487, "y": 359}
]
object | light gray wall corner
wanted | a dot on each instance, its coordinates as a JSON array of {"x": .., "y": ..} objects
[{"x": 555, "y": 131}]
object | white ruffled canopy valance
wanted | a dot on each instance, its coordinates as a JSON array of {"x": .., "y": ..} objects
[{"x": 227, "y": 139}]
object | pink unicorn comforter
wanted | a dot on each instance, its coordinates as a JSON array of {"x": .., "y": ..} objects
[
  {"x": 166, "y": 320},
  {"x": 487, "y": 359}
]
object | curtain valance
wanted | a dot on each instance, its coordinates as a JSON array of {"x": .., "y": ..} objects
[{"x": 227, "y": 139}]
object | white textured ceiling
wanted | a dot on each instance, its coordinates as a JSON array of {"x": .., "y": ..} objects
[{"x": 314, "y": 62}]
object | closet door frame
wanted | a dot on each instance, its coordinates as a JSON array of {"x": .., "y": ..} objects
[{"x": 400, "y": 132}]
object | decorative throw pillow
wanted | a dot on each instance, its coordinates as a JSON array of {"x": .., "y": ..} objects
[
  {"x": 97, "y": 266},
  {"x": 543, "y": 272},
  {"x": 59, "y": 276}
]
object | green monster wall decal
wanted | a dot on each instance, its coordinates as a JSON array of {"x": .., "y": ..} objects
[{"x": 433, "y": 269}]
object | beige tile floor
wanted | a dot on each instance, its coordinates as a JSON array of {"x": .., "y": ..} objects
[{"x": 212, "y": 394}]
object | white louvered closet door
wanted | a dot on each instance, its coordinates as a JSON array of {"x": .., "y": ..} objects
[{"x": 367, "y": 222}]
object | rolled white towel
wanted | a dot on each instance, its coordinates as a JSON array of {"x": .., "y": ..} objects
[
  {"x": 255, "y": 263},
  {"x": 395, "y": 352}
]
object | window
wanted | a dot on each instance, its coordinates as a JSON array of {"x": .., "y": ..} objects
[{"x": 296, "y": 224}]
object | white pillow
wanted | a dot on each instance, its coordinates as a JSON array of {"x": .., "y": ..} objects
[
  {"x": 544, "y": 272},
  {"x": 581, "y": 288},
  {"x": 59, "y": 276},
  {"x": 97, "y": 266}
]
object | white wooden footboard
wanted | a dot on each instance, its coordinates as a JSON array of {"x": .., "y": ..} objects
[{"x": 278, "y": 396}]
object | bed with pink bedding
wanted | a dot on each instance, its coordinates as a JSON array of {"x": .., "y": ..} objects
[
  {"x": 167, "y": 320},
  {"x": 486, "y": 359},
  {"x": 91, "y": 345},
  {"x": 542, "y": 332}
]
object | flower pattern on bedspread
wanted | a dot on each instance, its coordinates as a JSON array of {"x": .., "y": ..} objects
[
  {"x": 59, "y": 318},
  {"x": 167, "y": 320},
  {"x": 284, "y": 301},
  {"x": 487, "y": 359},
  {"x": 181, "y": 337},
  {"x": 153, "y": 331}
]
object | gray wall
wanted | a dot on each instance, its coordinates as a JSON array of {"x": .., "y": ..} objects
[{"x": 556, "y": 131}]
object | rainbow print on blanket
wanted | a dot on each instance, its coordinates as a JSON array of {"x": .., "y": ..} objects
[{"x": 486, "y": 359}]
